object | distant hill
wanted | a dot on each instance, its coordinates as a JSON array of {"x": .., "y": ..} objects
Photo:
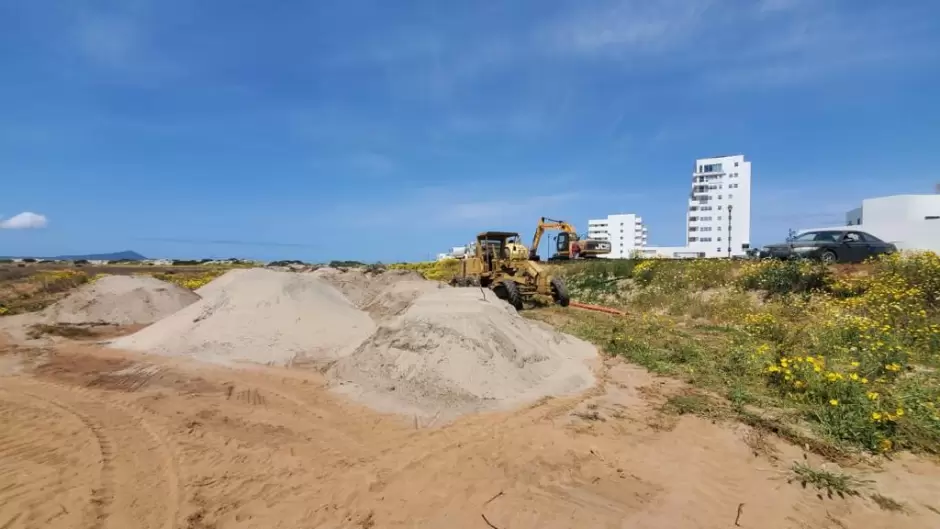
[{"x": 126, "y": 255}]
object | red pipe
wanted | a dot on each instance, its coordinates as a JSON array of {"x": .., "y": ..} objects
[{"x": 596, "y": 308}]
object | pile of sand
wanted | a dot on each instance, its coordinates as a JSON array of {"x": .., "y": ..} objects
[
  {"x": 119, "y": 300},
  {"x": 259, "y": 316},
  {"x": 361, "y": 286},
  {"x": 393, "y": 342},
  {"x": 453, "y": 352}
]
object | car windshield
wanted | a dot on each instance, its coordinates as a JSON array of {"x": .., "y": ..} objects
[{"x": 817, "y": 236}]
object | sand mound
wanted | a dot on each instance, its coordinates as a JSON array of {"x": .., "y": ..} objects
[
  {"x": 259, "y": 316},
  {"x": 120, "y": 300},
  {"x": 453, "y": 352},
  {"x": 362, "y": 286}
]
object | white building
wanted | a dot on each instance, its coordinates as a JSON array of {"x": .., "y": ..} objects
[
  {"x": 719, "y": 217},
  {"x": 718, "y": 221},
  {"x": 910, "y": 222},
  {"x": 625, "y": 232}
]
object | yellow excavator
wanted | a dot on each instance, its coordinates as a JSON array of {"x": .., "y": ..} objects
[{"x": 568, "y": 244}]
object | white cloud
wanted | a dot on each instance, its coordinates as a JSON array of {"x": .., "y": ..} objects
[{"x": 23, "y": 221}]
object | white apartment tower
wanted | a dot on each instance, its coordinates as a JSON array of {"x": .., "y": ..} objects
[
  {"x": 625, "y": 232},
  {"x": 719, "y": 218}
]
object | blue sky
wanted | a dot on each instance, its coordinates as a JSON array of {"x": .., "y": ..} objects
[{"x": 381, "y": 130}]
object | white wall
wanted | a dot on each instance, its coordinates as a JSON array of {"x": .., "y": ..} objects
[
  {"x": 719, "y": 184},
  {"x": 670, "y": 252},
  {"x": 904, "y": 220},
  {"x": 624, "y": 231}
]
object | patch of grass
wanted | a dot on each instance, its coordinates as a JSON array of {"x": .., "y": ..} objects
[
  {"x": 592, "y": 415},
  {"x": 828, "y": 481},
  {"x": 785, "y": 277},
  {"x": 191, "y": 279},
  {"x": 60, "y": 329},
  {"x": 757, "y": 440},
  {"x": 689, "y": 403},
  {"x": 37, "y": 288},
  {"x": 443, "y": 270},
  {"x": 888, "y": 504}
]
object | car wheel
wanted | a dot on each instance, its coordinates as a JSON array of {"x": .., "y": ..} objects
[{"x": 829, "y": 257}]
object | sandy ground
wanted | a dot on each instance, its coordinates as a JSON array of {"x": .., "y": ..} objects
[{"x": 101, "y": 438}]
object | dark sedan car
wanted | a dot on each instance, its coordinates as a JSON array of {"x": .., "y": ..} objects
[{"x": 829, "y": 246}]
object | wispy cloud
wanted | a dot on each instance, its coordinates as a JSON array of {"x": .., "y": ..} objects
[
  {"x": 123, "y": 38},
  {"x": 110, "y": 40},
  {"x": 446, "y": 207},
  {"x": 24, "y": 221},
  {"x": 629, "y": 26},
  {"x": 373, "y": 163},
  {"x": 743, "y": 44}
]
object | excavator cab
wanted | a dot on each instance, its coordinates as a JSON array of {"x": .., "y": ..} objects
[{"x": 563, "y": 243}]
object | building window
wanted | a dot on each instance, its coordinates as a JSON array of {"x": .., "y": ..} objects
[
  {"x": 735, "y": 164},
  {"x": 719, "y": 239},
  {"x": 719, "y": 197},
  {"x": 730, "y": 196}
]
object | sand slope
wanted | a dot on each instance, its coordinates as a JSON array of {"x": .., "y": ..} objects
[
  {"x": 453, "y": 352},
  {"x": 259, "y": 316},
  {"x": 362, "y": 286}
]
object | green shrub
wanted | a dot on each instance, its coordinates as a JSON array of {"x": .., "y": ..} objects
[{"x": 785, "y": 277}]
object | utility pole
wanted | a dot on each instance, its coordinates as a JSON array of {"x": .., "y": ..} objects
[{"x": 730, "y": 208}]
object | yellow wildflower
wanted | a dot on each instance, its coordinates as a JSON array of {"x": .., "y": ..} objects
[
  {"x": 873, "y": 395},
  {"x": 834, "y": 402},
  {"x": 854, "y": 376},
  {"x": 899, "y": 412},
  {"x": 875, "y": 416},
  {"x": 855, "y": 364}
]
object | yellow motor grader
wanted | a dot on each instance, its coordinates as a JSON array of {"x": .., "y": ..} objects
[{"x": 501, "y": 263}]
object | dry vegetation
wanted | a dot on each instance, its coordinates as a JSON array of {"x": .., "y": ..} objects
[{"x": 34, "y": 287}]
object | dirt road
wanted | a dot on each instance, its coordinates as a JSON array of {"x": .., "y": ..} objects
[{"x": 102, "y": 439}]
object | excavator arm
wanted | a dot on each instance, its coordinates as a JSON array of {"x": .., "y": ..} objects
[
  {"x": 588, "y": 247},
  {"x": 549, "y": 224}
]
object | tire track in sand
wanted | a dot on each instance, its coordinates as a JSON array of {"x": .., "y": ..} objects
[
  {"x": 49, "y": 463},
  {"x": 132, "y": 488}
]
